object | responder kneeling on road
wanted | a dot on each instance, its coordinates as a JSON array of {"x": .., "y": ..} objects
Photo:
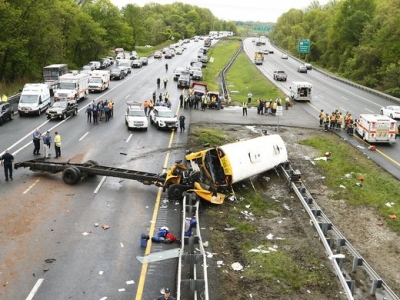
[{"x": 163, "y": 236}]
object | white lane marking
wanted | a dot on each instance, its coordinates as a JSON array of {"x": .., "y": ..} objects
[
  {"x": 127, "y": 96},
  {"x": 35, "y": 289},
  {"x": 344, "y": 98},
  {"x": 31, "y": 186},
  {"x": 342, "y": 108},
  {"x": 83, "y": 136},
  {"x": 127, "y": 140},
  {"x": 100, "y": 184},
  {"x": 369, "y": 110},
  {"x": 321, "y": 96}
]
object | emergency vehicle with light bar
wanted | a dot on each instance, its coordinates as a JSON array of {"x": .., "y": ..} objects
[{"x": 375, "y": 128}]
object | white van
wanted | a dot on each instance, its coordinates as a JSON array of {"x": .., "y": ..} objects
[{"x": 35, "y": 98}]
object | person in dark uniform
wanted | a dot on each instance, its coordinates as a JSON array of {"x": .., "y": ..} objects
[
  {"x": 7, "y": 160},
  {"x": 89, "y": 113},
  {"x": 166, "y": 296},
  {"x": 158, "y": 82},
  {"x": 95, "y": 115},
  {"x": 36, "y": 136},
  {"x": 182, "y": 123}
]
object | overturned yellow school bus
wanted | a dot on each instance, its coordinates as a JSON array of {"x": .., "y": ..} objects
[{"x": 220, "y": 167}]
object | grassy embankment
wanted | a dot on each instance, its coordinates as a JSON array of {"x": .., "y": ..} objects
[
  {"x": 378, "y": 187},
  {"x": 242, "y": 77}
]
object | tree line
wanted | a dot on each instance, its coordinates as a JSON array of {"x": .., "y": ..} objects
[
  {"x": 36, "y": 33},
  {"x": 356, "y": 39}
]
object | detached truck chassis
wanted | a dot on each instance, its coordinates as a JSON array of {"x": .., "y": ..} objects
[{"x": 178, "y": 179}]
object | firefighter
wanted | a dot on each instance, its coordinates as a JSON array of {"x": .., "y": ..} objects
[
  {"x": 339, "y": 121},
  {"x": 346, "y": 120},
  {"x": 326, "y": 123},
  {"x": 332, "y": 120},
  {"x": 321, "y": 117}
]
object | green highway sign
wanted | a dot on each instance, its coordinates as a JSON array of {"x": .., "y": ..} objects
[
  {"x": 304, "y": 46},
  {"x": 262, "y": 28}
]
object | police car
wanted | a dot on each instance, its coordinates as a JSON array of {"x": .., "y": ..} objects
[
  {"x": 135, "y": 117},
  {"x": 163, "y": 118}
]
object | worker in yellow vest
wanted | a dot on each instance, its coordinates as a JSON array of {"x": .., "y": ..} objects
[
  {"x": 244, "y": 106},
  {"x": 321, "y": 117}
]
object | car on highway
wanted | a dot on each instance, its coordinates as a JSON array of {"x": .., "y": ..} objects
[
  {"x": 137, "y": 63},
  {"x": 125, "y": 69},
  {"x": 392, "y": 111},
  {"x": 168, "y": 54},
  {"x": 117, "y": 73},
  {"x": 135, "y": 117},
  {"x": 197, "y": 74},
  {"x": 177, "y": 72},
  {"x": 284, "y": 56},
  {"x": 280, "y": 75},
  {"x": 6, "y": 112},
  {"x": 184, "y": 80},
  {"x": 308, "y": 66},
  {"x": 271, "y": 51},
  {"x": 105, "y": 62},
  {"x": 302, "y": 69},
  {"x": 158, "y": 54},
  {"x": 144, "y": 61},
  {"x": 163, "y": 118},
  {"x": 62, "y": 109},
  {"x": 96, "y": 65}
]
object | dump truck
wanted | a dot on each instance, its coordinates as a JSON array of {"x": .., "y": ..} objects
[
  {"x": 209, "y": 173},
  {"x": 258, "y": 58}
]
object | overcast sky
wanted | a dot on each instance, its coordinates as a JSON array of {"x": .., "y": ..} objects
[{"x": 236, "y": 10}]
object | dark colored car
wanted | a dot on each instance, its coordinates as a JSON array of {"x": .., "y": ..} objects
[
  {"x": 184, "y": 80},
  {"x": 6, "y": 112},
  {"x": 62, "y": 110},
  {"x": 117, "y": 73},
  {"x": 144, "y": 61}
]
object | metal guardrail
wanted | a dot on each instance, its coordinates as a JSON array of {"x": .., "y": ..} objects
[
  {"x": 336, "y": 246},
  {"x": 13, "y": 100},
  {"x": 192, "y": 264},
  {"x": 225, "y": 91}
]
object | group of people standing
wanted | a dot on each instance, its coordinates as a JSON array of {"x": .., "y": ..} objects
[
  {"x": 336, "y": 121},
  {"x": 37, "y": 136},
  {"x": 263, "y": 107},
  {"x": 99, "y": 111}
]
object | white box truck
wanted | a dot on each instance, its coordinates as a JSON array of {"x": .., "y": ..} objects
[
  {"x": 99, "y": 81},
  {"x": 72, "y": 86},
  {"x": 34, "y": 99}
]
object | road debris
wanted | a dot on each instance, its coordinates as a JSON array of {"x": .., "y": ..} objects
[
  {"x": 237, "y": 266},
  {"x": 105, "y": 227}
]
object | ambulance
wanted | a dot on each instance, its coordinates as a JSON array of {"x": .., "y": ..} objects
[
  {"x": 301, "y": 91},
  {"x": 375, "y": 128}
]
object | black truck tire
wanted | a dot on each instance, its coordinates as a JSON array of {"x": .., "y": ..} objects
[
  {"x": 176, "y": 191},
  {"x": 71, "y": 175}
]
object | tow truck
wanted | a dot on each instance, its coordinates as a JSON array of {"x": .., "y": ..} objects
[{"x": 209, "y": 173}]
